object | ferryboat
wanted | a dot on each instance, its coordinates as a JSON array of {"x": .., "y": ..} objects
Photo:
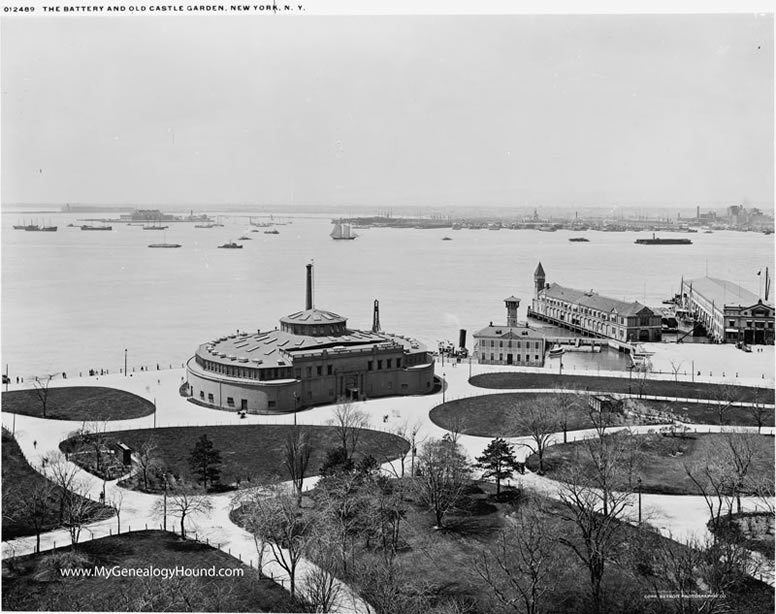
[
  {"x": 655, "y": 241},
  {"x": 556, "y": 351},
  {"x": 230, "y": 245}
]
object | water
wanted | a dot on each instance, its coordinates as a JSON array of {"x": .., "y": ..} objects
[{"x": 74, "y": 300}]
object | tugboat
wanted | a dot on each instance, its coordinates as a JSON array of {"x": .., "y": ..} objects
[{"x": 230, "y": 245}]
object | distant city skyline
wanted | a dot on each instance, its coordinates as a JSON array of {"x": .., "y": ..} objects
[{"x": 626, "y": 112}]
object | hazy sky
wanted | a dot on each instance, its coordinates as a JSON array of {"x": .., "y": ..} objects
[{"x": 397, "y": 110}]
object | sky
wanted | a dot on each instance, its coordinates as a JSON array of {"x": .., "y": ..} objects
[{"x": 381, "y": 111}]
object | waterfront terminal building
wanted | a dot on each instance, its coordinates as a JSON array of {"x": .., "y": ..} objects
[
  {"x": 589, "y": 313},
  {"x": 730, "y": 313},
  {"x": 312, "y": 359},
  {"x": 514, "y": 344}
]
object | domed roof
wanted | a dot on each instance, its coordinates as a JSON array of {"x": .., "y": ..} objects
[{"x": 313, "y": 316}]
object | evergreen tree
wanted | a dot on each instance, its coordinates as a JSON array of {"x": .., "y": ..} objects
[
  {"x": 204, "y": 461},
  {"x": 497, "y": 461}
]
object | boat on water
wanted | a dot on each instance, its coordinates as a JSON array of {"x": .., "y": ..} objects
[
  {"x": 274, "y": 231},
  {"x": 164, "y": 245},
  {"x": 446, "y": 239},
  {"x": 24, "y": 226},
  {"x": 579, "y": 240},
  {"x": 230, "y": 245},
  {"x": 556, "y": 351},
  {"x": 91, "y": 227},
  {"x": 245, "y": 238},
  {"x": 208, "y": 225},
  {"x": 656, "y": 241},
  {"x": 342, "y": 232},
  {"x": 36, "y": 228},
  {"x": 155, "y": 227}
]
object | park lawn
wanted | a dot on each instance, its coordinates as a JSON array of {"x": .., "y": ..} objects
[
  {"x": 623, "y": 385},
  {"x": 494, "y": 415},
  {"x": 17, "y": 472},
  {"x": 251, "y": 454},
  {"x": 33, "y": 582},
  {"x": 662, "y": 460},
  {"x": 92, "y": 403}
]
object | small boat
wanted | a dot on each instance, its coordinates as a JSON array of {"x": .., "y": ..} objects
[
  {"x": 91, "y": 227},
  {"x": 579, "y": 240},
  {"x": 230, "y": 245},
  {"x": 274, "y": 231},
  {"x": 208, "y": 225},
  {"x": 446, "y": 239},
  {"x": 164, "y": 245},
  {"x": 245, "y": 238},
  {"x": 255, "y": 230},
  {"x": 556, "y": 352},
  {"x": 155, "y": 227}
]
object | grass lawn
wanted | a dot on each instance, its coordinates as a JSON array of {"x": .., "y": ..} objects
[
  {"x": 668, "y": 388},
  {"x": 17, "y": 472},
  {"x": 662, "y": 460},
  {"x": 78, "y": 403},
  {"x": 34, "y": 582},
  {"x": 252, "y": 454},
  {"x": 494, "y": 415}
]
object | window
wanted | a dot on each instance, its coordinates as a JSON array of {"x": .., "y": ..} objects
[
  {"x": 319, "y": 370},
  {"x": 201, "y": 394},
  {"x": 369, "y": 365},
  {"x": 501, "y": 357},
  {"x": 537, "y": 345},
  {"x": 518, "y": 357},
  {"x": 210, "y": 397},
  {"x": 390, "y": 385},
  {"x": 536, "y": 357},
  {"x": 309, "y": 371},
  {"x": 271, "y": 403},
  {"x": 298, "y": 373},
  {"x": 398, "y": 363},
  {"x": 230, "y": 401},
  {"x": 491, "y": 356},
  {"x": 379, "y": 364},
  {"x": 328, "y": 369},
  {"x": 518, "y": 345},
  {"x": 388, "y": 365}
]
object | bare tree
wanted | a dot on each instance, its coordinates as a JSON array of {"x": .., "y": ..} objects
[
  {"x": 597, "y": 534},
  {"x": 519, "y": 568},
  {"x": 29, "y": 503},
  {"x": 539, "y": 421},
  {"x": 349, "y": 421},
  {"x": 41, "y": 387},
  {"x": 147, "y": 459},
  {"x": 760, "y": 413},
  {"x": 81, "y": 510},
  {"x": 116, "y": 501},
  {"x": 63, "y": 474},
  {"x": 320, "y": 589},
  {"x": 740, "y": 448},
  {"x": 409, "y": 434},
  {"x": 296, "y": 457},
  {"x": 284, "y": 527},
  {"x": 444, "y": 472},
  {"x": 712, "y": 477},
  {"x": 725, "y": 397},
  {"x": 183, "y": 503},
  {"x": 676, "y": 365}
]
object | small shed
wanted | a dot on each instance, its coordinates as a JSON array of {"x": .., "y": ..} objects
[
  {"x": 605, "y": 403},
  {"x": 126, "y": 453}
]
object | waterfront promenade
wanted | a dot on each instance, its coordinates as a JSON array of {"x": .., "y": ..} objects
[{"x": 682, "y": 517}]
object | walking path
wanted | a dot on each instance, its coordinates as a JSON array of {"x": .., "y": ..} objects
[{"x": 681, "y": 517}]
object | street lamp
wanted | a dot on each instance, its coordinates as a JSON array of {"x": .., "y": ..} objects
[
  {"x": 125, "y": 362},
  {"x": 470, "y": 366},
  {"x": 296, "y": 403},
  {"x": 630, "y": 377},
  {"x": 443, "y": 387},
  {"x": 638, "y": 485}
]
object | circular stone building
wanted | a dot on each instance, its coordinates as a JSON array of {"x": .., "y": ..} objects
[{"x": 312, "y": 359}]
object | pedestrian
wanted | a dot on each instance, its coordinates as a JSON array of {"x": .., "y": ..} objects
[{"x": 35, "y": 445}]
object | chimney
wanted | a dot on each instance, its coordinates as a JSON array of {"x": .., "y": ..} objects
[
  {"x": 308, "y": 304},
  {"x": 376, "y": 317},
  {"x": 462, "y": 338}
]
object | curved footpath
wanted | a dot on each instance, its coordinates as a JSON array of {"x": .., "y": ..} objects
[{"x": 682, "y": 517}]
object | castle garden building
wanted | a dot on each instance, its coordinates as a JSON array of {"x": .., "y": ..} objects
[{"x": 312, "y": 359}]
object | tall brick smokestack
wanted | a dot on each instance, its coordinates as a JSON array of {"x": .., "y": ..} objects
[{"x": 308, "y": 303}]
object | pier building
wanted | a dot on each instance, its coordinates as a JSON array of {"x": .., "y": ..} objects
[
  {"x": 514, "y": 344},
  {"x": 312, "y": 359},
  {"x": 729, "y": 312},
  {"x": 589, "y": 313}
]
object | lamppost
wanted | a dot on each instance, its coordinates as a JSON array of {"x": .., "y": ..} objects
[
  {"x": 125, "y": 362},
  {"x": 470, "y": 366},
  {"x": 443, "y": 387},
  {"x": 296, "y": 403},
  {"x": 638, "y": 485},
  {"x": 630, "y": 377}
]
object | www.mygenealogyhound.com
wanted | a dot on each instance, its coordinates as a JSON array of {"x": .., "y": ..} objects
[{"x": 154, "y": 572}]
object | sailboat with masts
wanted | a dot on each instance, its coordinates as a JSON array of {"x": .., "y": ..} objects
[{"x": 342, "y": 232}]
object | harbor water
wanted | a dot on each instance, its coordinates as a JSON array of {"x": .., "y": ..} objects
[{"x": 74, "y": 300}]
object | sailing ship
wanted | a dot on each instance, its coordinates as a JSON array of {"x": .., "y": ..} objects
[
  {"x": 342, "y": 232},
  {"x": 38, "y": 228}
]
